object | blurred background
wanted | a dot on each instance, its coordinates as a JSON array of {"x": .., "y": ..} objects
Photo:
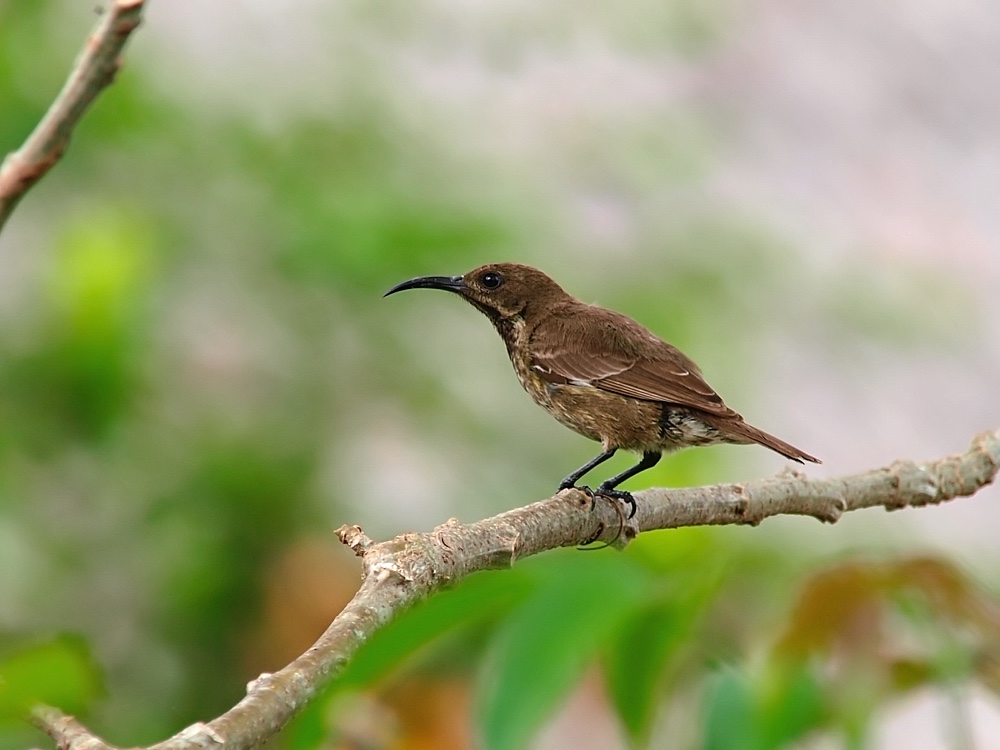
[{"x": 199, "y": 379}]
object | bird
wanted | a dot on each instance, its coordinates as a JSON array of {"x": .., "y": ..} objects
[{"x": 600, "y": 373}]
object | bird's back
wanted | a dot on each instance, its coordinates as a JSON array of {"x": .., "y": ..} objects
[
  {"x": 623, "y": 385},
  {"x": 591, "y": 345}
]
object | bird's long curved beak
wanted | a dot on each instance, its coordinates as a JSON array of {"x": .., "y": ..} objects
[{"x": 448, "y": 283}]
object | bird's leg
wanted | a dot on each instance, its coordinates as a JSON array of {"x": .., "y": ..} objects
[
  {"x": 607, "y": 487},
  {"x": 570, "y": 481}
]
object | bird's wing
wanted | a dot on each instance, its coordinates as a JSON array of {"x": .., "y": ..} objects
[
  {"x": 652, "y": 371},
  {"x": 562, "y": 365},
  {"x": 665, "y": 381}
]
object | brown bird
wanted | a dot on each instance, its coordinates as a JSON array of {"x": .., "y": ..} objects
[{"x": 600, "y": 373}]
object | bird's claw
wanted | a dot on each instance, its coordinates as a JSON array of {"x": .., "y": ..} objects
[
  {"x": 624, "y": 495},
  {"x": 608, "y": 492}
]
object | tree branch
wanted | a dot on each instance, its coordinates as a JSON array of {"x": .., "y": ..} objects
[
  {"x": 94, "y": 70},
  {"x": 412, "y": 566}
]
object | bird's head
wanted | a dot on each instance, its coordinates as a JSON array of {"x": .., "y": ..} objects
[{"x": 500, "y": 290}]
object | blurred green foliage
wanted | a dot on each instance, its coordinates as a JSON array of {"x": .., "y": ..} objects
[
  {"x": 60, "y": 672},
  {"x": 855, "y": 636},
  {"x": 197, "y": 373}
]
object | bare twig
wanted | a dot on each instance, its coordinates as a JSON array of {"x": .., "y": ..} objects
[
  {"x": 94, "y": 70},
  {"x": 412, "y": 566}
]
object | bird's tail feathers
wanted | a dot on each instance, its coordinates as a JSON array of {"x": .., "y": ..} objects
[{"x": 741, "y": 432}]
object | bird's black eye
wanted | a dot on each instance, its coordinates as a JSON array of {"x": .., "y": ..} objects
[{"x": 492, "y": 280}]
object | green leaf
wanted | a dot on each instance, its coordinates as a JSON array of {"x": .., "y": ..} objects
[
  {"x": 729, "y": 714},
  {"x": 543, "y": 649},
  {"x": 641, "y": 652},
  {"x": 766, "y": 713},
  {"x": 481, "y": 596},
  {"x": 691, "y": 569},
  {"x": 792, "y": 706},
  {"x": 59, "y": 673}
]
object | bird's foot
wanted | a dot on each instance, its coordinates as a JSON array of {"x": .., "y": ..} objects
[
  {"x": 624, "y": 495},
  {"x": 611, "y": 495},
  {"x": 585, "y": 547}
]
